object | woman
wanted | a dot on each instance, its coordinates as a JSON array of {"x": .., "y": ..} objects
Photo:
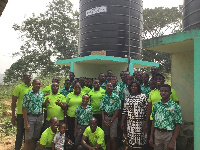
[
  {"x": 135, "y": 107},
  {"x": 73, "y": 100}
]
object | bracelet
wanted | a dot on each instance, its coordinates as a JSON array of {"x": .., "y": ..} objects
[{"x": 111, "y": 121}]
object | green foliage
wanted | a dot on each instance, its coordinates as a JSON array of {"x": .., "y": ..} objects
[
  {"x": 48, "y": 37},
  {"x": 158, "y": 22}
]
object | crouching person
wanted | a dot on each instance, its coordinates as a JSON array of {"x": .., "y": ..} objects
[{"x": 93, "y": 137}]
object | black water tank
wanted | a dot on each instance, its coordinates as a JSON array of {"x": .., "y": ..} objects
[
  {"x": 104, "y": 25},
  {"x": 191, "y": 14}
]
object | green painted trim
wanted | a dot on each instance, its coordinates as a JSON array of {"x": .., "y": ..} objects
[
  {"x": 196, "y": 93},
  {"x": 131, "y": 68},
  {"x": 72, "y": 67},
  {"x": 172, "y": 38}
]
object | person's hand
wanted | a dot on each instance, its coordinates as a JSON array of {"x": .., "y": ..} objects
[
  {"x": 58, "y": 103},
  {"x": 122, "y": 126},
  {"x": 47, "y": 100},
  {"x": 151, "y": 142},
  {"x": 106, "y": 123},
  {"x": 170, "y": 145},
  {"x": 109, "y": 123},
  {"x": 46, "y": 94},
  {"x": 75, "y": 132},
  {"x": 27, "y": 126},
  {"x": 13, "y": 120},
  {"x": 69, "y": 141}
]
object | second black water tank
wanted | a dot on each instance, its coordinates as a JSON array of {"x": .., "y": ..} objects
[
  {"x": 105, "y": 25},
  {"x": 191, "y": 14}
]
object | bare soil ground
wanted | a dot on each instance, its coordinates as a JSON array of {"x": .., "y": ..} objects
[{"x": 7, "y": 142}]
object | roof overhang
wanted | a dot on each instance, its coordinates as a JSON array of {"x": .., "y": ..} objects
[{"x": 2, "y": 5}]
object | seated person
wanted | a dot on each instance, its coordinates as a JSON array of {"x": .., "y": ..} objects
[{"x": 93, "y": 137}]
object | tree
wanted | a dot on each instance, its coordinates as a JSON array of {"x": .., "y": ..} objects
[
  {"x": 158, "y": 22},
  {"x": 50, "y": 36}
]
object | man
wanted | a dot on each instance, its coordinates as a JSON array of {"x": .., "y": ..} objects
[
  {"x": 102, "y": 79},
  {"x": 47, "y": 89},
  {"x": 48, "y": 135},
  {"x": 71, "y": 77},
  {"x": 32, "y": 113},
  {"x": 154, "y": 70},
  {"x": 18, "y": 95},
  {"x": 94, "y": 135},
  {"x": 54, "y": 104}
]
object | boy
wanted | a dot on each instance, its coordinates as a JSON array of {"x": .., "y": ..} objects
[
  {"x": 110, "y": 105},
  {"x": 167, "y": 121},
  {"x": 59, "y": 138},
  {"x": 83, "y": 114},
  {"x": 66, "y": 90}
]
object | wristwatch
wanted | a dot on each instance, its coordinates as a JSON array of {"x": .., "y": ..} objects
[{"x": 111, "y": 121}]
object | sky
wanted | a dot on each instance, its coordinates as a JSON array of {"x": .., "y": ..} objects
[{"x": 18, "y": 11}]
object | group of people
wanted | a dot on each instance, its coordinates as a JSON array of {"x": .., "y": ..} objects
[{"x": 97, "y": 114}]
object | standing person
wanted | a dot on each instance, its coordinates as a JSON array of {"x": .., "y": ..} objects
[
  {"x": 47, "y": 89},
  {"x": 96, "y": 94},
  {"x": 152, "y": 84},
  {"x": 121, "y": 84},
  {"x": 32, "y": 114},
  {"x": 55, "y": 104},
  {"x": 116, "y": 88},
  {"x": 95, "y": 136},
  {"x": 154, "y": 70},
  {"x": 102, "y": 79},
  {"x": 139, "y": 77},
  {"x": 90, "y": 82},
  {"x": 84, "y": 88},
  {"x": 135, "y": 108},
  {"x": 17, "y": 97},
  {"x": 110, "y": 106},
  {"x": 66, "y": 90},
  {"x": 154, "y": 97},
  {"x": 73, "y": 100},
  {"x": 83, "y": 114},
  {"x": 109, "y": 73},
  {"x": 167, "y": 121},
  {"x": 71, "y": 77},
  {"x": 145, "y": 86},
  {"x": 48, "y": 135}
]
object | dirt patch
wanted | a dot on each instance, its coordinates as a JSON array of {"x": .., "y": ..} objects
[{"x": 7, "y": 142}]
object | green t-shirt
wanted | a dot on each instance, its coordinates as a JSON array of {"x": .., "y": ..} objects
[
  {"x": 110, "y": 104},
  {"x": 95, "y": 99},
  {"x": 19, "y": 91},
  {"x": 54, "y": 110},
  {"x": 95, "y": 138},
  {"x": 166, "y": 115},
  {"x": 73, "y": 101},
  {"x": 85, "y": 89},
  {"x": 47, "y": 137},
  {"x": 154, "y": 97},
  {"x": 83, "y": 115},
  {"x": 33, "y": 102},
  {"x": 145, "y": 90}
]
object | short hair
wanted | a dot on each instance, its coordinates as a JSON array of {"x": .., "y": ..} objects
[
  {"x": 35, "y": 80},
  {"x": 109, "y": 70},
  {"x": 114, "y": 76},
  {"x": 93, "y": 119},
  {"x": 158, "y": 74},
  {"x": 138, "y": 87},
  {"x": 101, "y": 74},
  {"x": 145, "y": 73},
  {"x": 166, "y": 85},
  {"x": 86, "y": 95},
  {"x": 67, "y": 80},
  {"x": 61, "y": 123}
]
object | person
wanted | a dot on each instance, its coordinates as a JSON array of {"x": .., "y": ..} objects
[
  {"x": 109, "y": 73},
  {"x": 154, "y": 70},
  {"x": 110, "y": 106},
  {"x": 152, "y": 84},
  {"x": 17, "y": 97},
  {"x": 71, "y": 77},
  {"x": 154, "y": 97},
  {"x": 96, "y": 94},
  {"x": 135, "y": 108},
  {"x": 32, "y": 114},
  {"x": 93, "y": 137},
  {"x": 122, "y": 83},
  {"x": 66, "y": 90},
  {"x": 116, "y": 88},
  {"x": 48, "y": 135},
  {"x": 59, "y": 138},
  {"x": 84, "y": 88},
  {"x": 55, "y": 104},
  {"x": 89, "y": 83},
  {"x": 102, "y": 80},
  {"x": 145, "y": 86},
  {"x": 167, "y": 121},
  {"x": 139, "y": 77},
  {"x": 83, "y": 114},
  {"x": 73, "y": 100},
  {"x": 47, "y": 89}
]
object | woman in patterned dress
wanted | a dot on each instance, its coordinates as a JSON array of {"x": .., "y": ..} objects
[{"x": 135, "y": 108}]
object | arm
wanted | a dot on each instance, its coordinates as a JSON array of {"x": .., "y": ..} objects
[
  {"x": 152, "y": 134},
  {"x": 42, "y": 147},
  {"x": 46, "y": 102},
  {"x": 75, "y": 127},
  {"x": 174, "y": 136},
  {"x": 13, "y": 106},
  {"x": 26, "y": 124},
  {"x": 83, "y": 142},
  {"x": 53, "y": 146},
  {"x": 103, "y": 118},
  {"x": 122, "y": 122},
  {"x": 149, "y": 110},
  {"x": 62, "y": 105},
  {"x": 114, "y": 116}
]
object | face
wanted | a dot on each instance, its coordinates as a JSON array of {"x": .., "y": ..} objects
[
  {"x": 71, "y": 76},
  {"x": 153, "y": 70},
  {"x": 102, "y": 77},
  {"x": 85, "y": 99},
  {"x": 114, "y": 80},
  {"x": 86, "y": 82},
  {"x": 77, "y": 88},
  {"x": 126, "y": 74},
  {"x": 165, "y": 92},
  {"x": 139, "y": 75},
  {"x": 159, "y": 80},
  {"x": 54, "y": 87},
  {"x": 109, "y": 87},
  {"x": 145, "y": 78},
  {"x": 62, "y": 128},
  {"x": 129, "y": 80},
  {"x": 93, "y": 125},
  {"x": 89, "y": 82},
  {"x": 27, "y": 77},
  {"x": 36, "y": 85},
  {"x": 56, "y": 80},
  {"x": 152, "y": 85},
  {"x": 109, "y": 73},
  {"x": 122, "y": 76},
  {"x": 82, "y": 82},
  {"x": 67, "y": 84},
  {"x": 54, "y": 124},
  {"x": 96, "y": 84},
  {"x": 134, "y": 88}
]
